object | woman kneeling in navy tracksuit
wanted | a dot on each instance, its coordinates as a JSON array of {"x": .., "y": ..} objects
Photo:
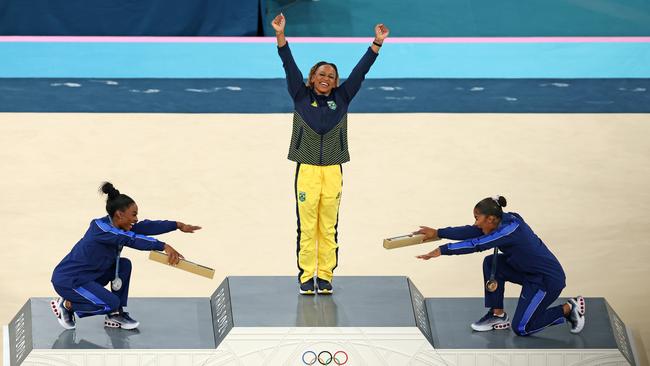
[
  {"x": 524, "y": 260},
  {"x": 80, "y": 278}
]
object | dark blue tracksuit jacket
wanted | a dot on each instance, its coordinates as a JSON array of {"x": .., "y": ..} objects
[
  {"x": 523, "y": 249},
  {"x": 97, "y": 251},
  {"x": 525, "y": 260}
]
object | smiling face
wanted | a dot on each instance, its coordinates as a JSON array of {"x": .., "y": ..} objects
[
  {"x": 324, "y": 79},
  {"x": 127, "y": 218},
  {"x": 487, "y": 223}
]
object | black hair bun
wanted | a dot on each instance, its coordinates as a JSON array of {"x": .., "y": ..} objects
[
  {"x": 502, "y": 201},
  {"x": 109, "y": 189}
]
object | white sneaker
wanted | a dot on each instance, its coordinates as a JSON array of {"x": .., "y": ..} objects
[
  {"x": 120, "y": 320},
  {"x": 577, "y": 314},
  {"x": 490, "y": 321}
]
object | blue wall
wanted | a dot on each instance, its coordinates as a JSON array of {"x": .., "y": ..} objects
[
  {"x": 465, "y": 18},
  {"x": 260, "y": 60},
  {"x": 131, "y": 18},
  {"x": 426, "y": 18}
]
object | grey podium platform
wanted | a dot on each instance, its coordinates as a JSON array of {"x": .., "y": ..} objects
[
  {"x": 449, "y": 320},
  {"x": 358, "y": 302},
  {"x": 264, "y": 321},
  {"x": 166, "y": 323}
]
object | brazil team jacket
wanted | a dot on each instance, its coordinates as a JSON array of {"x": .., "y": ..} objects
[
  {"x": 97, "y": 251},
  {"x": 523, "y": 249},
  {"x": 319, "y": 135}
]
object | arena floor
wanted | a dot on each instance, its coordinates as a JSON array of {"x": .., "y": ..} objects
[{"x": 580, "y": 180}]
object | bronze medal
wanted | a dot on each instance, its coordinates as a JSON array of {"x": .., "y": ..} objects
[{"x": 491, "y": 285}]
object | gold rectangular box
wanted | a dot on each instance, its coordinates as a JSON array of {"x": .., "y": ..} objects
[{"x": 184, "y": 264}]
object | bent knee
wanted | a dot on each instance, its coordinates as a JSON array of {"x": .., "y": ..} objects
[{"x": 520, "y": 330}]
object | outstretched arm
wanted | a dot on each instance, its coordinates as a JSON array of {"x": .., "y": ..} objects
[
  {"x": 460, "y": 232},
  {"x": 109, "y": 235},
  {"x": 278, "y": 24},
  {"x": 157, "y": 227},
  {"x": 154, "y": 227},
  {"x": 429, "y": 234},
  {"x": 174, "y": 256},
  {"x": 381, "y": 32},
  {"x": 353, "y": 83},
  {"x": 294, "y": 76},
  {"x": 432, "y": 254},
  {"x": 498, "y": 238},
  {"x": 501, "y": 237},
  {"x": 187, "y": 228}
]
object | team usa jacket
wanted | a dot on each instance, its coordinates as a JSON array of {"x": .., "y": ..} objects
[
  {"x": 522, "y": 249},
  {"x": 97, "y": 251}
]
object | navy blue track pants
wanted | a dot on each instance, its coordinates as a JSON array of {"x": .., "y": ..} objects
[
  {"x": 533, "y": 313},
  {"x": 92, "y": 298}
]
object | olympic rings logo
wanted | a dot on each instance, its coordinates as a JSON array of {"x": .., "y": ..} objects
[{"x": 324, "y": 358}]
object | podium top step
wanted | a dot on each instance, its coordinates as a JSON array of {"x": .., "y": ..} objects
[{"x": 382, "y": 301}]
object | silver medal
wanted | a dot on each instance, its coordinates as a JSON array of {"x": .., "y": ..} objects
[{"x": 116, "y": 284}]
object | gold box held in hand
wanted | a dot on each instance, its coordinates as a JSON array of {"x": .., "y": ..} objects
[
  {"x": 184, "y": 264},
  {"x": 406, "y": 240}
]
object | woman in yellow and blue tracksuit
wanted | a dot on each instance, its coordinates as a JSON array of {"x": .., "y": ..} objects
[{"x": 319, "y": 147}]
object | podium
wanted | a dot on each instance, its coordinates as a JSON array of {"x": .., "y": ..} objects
[{"x": 262, "y": 320}]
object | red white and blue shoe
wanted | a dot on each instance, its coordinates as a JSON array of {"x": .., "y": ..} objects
[
  {"x": 577, "y": 315},
  {"x": 120, "y": 319},
  {"x": 490, "y": 321},
  {"x": 64, "y": 316}
]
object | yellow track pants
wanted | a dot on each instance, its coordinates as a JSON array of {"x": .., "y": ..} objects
[{"x": 318, "y": 195}]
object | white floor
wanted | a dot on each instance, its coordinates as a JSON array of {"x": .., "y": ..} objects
[{"x": 581, "y": 181}]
